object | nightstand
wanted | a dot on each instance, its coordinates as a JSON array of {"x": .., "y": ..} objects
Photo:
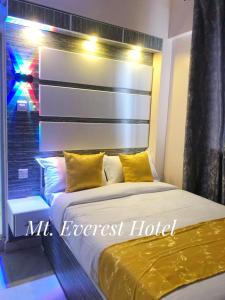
[{"x": 22, "y": 210}]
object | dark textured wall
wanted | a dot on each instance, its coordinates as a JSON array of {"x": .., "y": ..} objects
[{"x": 23, "y": 126}]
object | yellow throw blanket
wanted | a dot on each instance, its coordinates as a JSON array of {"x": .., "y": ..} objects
[{"x": 149, "y": 268}]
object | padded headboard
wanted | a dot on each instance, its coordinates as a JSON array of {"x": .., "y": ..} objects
[
  {"x": 76, "y": 101},
  {"x": 89, "y": 102}
]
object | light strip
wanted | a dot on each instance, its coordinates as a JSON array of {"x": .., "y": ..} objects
[
  {"x": 3, "y": 279},
  {"x": 45, "y": 27},
  {"x": 28, "y": 23}
]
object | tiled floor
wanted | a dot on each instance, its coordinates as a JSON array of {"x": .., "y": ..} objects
[{"x": 27, "y": 275}]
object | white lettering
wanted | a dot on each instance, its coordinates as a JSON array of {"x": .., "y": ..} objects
[
  {"x": 139, "y": 228},
  {"x": 31, "y": 230},
  {"x": 173, "y": 227},
  {"x": 66, "y": 228}
]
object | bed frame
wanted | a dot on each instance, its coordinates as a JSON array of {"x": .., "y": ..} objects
[{"x": 73, "y": 279}]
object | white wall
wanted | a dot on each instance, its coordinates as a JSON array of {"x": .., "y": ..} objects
[
  {"x": 149, "y": 16},
  {"x": 180, "y": 26},
  {"x": 159, "y": 107},
  {"x": 181, "y": 16},
  {"x": 173, "y": 169},
  {"x": 170, "y": 103},
  {"x": 169, "y": 95}
]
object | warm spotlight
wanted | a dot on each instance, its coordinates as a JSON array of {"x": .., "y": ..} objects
[
  {"x": 135, "y": 53},
  {"x": 91, "y": 44},
  {"x": 33, "y": 34}
]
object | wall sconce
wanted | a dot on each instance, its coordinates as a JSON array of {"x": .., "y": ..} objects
[
  {"x": 20, "y": 77},
  {"x": 21, "y": 94},
  {"x": 91, "y": 44}
]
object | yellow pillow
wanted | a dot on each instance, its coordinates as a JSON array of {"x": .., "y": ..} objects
[
  {"x": 83, "y": 171},
  {"x": 136, "y": 167}
]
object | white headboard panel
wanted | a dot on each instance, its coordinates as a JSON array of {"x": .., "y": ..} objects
[
  {"x": 85, "y": 136},
  {"x": 63, "y": 66},
  {"x": 91, "y": 102},
  {"x": 83, "y": 103}
]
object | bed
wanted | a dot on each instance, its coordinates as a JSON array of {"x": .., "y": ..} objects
[
  {"x": 106, "y": 111},
  {"x": 76, "y": 258}
]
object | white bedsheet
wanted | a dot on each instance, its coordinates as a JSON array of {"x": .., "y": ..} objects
[{"x": 152, "y": 202}]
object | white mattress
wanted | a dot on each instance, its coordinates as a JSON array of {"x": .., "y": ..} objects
[{"x": 152, "y": 202}]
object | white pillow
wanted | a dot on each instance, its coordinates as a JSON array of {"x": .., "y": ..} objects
[
  {"x": 55, "y": 175},
  {"x": 114, "y": 171}
]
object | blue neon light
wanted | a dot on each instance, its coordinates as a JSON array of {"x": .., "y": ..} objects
[
  {"x": 19, "y": 64},
  {"x": 3, "y": 280},
  {"x": 28, "y": 23}
]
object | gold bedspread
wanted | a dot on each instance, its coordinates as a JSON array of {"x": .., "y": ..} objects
[{"x": 150, "y": 267}]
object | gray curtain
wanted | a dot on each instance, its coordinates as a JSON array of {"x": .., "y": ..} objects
[{"x": 204, "y": 156}]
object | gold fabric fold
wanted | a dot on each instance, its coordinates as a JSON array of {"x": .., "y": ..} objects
[{"x": 148, "y": 268}]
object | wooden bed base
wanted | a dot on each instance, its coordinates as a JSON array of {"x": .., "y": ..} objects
[{"x": 73, "y": 279}]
